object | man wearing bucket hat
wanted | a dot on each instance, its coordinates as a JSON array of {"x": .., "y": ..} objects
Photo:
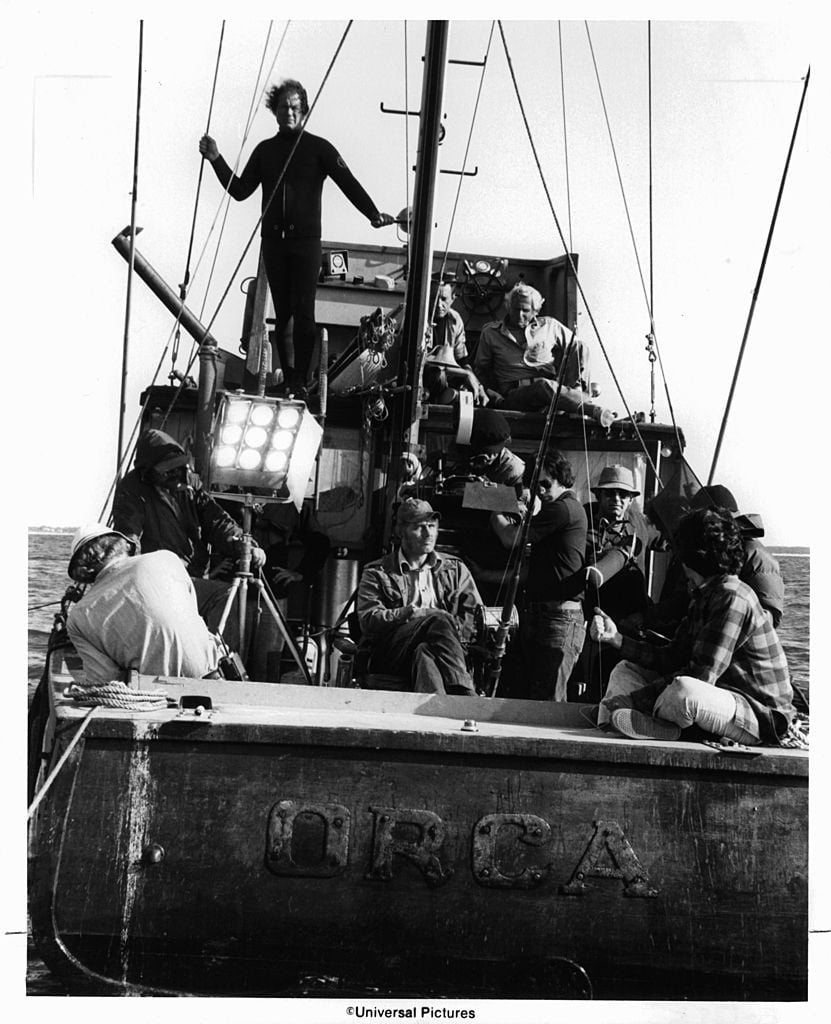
[
  {"x": 138, "y": 611},
  {"x": 417, "y": 607}
]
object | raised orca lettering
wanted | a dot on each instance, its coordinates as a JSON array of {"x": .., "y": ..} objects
[
  {"x": 609, "y": 855},
  {"x": 415, "y": 834}
]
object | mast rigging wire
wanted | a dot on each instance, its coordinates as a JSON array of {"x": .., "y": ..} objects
[
  {"x": 758, "y": 284},
  {"x": 565, "y": 132},
  {"x": 570, "y": 261},
  {"x": 186, "y": 277},
  {"x": 466, "y": 155},
  {"x": 652, "y": 333},
  {"x": 224, "y": 203},
  {"x": 406, "y": 127},
  {"x": 125, "y": 457},
  {"x": 271, "y": 197},
  {"x": 128, "y": 302}
]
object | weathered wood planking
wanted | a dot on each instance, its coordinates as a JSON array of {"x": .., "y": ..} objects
[{"x": 391, "y": 847}]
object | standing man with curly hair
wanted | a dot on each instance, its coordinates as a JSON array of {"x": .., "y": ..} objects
[
  {"x": 724, "y": 670},
  {"x": 291, "y": 168}
]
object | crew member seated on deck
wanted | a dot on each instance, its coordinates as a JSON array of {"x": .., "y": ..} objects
[
  {"x": 618, "y": 538},
  {"x": 417, "y": 607},
  {"x": 551, "y": 623},
  {"x": 518, "y": 360},
  {"x": 138, "y": 612},
  {"x": 724, "y": 670}
]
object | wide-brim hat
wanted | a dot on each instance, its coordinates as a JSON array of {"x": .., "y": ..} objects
[
  {"x": 415, "y": 510},
  {"x": 90, "y": 532},
  {"x": 616, "y": 478}
]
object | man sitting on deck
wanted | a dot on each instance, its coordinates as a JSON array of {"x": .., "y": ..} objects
[
  {"x": 520, "y": 359},
  {"x": 139, "y": 612},
  {"x": 417, "y": 607},
  {"x": 724, "y": 671}
]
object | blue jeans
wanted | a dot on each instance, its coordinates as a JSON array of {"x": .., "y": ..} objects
[{"x": 551, "y": 640}]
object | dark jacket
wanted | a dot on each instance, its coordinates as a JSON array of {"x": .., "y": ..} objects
[
  {"x": 294, "y": 210},
  {"x": 184, "y": 522}
]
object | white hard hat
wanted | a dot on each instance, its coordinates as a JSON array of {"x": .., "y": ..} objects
[{"x": 84, "y": 534}]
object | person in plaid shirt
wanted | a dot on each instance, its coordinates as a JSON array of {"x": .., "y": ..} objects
[{"x": 724, "y": 670}]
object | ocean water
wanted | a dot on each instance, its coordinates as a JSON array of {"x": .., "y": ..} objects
[{"x": 49, "y": 555}]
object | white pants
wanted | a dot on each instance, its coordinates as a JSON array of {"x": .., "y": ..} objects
[{"x": 686, "y": 701}]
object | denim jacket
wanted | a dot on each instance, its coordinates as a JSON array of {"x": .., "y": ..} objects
[{"x": 382, "y": 602}]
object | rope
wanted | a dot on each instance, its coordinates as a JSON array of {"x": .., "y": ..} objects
[
  {"x": 117, "y": 695},
  {"x": 47, "y": 785},
  {"x": 570, "y": 261}
]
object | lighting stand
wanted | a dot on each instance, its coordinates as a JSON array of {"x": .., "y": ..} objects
[{"x": 243, "y": 579}]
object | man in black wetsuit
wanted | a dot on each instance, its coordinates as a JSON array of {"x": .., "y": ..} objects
[{"x": 291, "y": 168}]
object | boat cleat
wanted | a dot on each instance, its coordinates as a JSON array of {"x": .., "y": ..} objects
[{"x": 196, "y": 707}]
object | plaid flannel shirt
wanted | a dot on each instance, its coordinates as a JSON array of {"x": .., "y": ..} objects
[{"x": 727, "y": 640}]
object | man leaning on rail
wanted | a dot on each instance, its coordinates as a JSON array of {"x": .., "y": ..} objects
[
  {"x": 417, "y": 607},
  {"x": 138, "y": 612}
]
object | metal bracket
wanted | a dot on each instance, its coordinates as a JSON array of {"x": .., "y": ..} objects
[{"x": 196, "y": 707}]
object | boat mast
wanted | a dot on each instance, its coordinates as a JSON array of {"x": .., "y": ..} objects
[
  {"x": 122, "y": 409},
  {"x": 407, "y": 412}
]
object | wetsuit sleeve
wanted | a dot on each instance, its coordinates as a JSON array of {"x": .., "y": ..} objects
[
  {"x": 244, "y": 185},
  {"x": 346, "y": 181}
]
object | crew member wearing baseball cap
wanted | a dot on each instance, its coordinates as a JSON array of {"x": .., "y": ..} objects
[
  {"x": 138, "y": 611},
  {"x": 417, "y": 607}
]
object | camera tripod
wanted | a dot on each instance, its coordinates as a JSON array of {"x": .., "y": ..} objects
[{"x": 243, "y": 579}]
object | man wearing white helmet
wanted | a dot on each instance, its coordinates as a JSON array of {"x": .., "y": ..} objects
[{"x": 138, "y": 612}]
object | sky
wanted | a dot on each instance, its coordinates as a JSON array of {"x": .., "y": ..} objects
[
  {"x": 724, "y": 101},
  {"x": 726, "y": 84}
]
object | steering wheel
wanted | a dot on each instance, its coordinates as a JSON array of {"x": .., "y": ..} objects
[{"x": 481, "y": 292}]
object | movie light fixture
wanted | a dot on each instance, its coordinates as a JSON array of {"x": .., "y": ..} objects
[{"x": 264, "y": 444}]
